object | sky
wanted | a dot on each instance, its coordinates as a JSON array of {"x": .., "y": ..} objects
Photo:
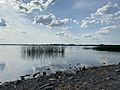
[{"x": 60, "y": 21}]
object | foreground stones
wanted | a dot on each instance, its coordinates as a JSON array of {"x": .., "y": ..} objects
[{"x": 93, "y": 78}]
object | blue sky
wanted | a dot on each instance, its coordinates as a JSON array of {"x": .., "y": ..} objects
[{"x": 60, "y": 21}]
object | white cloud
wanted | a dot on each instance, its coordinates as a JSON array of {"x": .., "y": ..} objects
[
  {"x": 106, "y": 30},
  {"x": 66, "y": 28},
  {"x": 2, "y": 22},
  {"x": 108, "y": 18},
  {"x": 60, "y": 34},
  {"x": 32, "y": 5},
  {"x": 44, "y": 19},
  {"x": 110, "y": 8},
  {"x": 67, "y": 34},
  {"x": 87, "y": 35},
  {"x": 85, "y": 23},
  {"x": 108, "y": 14},
  {"x": 58, "y": 22},
  {"x": 22, "y": 31},
  {"x": 75, "y": 21},
  {"x": 50, "y": 20},
  {"x": 2, "y": 1},
  {"x": 102, "y": 31},
  {"x": 64, "y": 33}
]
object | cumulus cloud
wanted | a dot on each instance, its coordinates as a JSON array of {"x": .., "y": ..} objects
[
  {"x": 85, "y": 23},
  {"x": 32, "y": 5},
  {"x": 60, "y": 34},
  {"x": 102, "y": 31},
  {"x": 87, "y": 35},
  {"x": 2, "y": 1},
  {"x": 67, "y": 34},
  {"x": 108, "y": 17},
  {"x": 66, "y": 28},
  {"x": 2, "y": 22},
  {"x": 58, "y": 22},
  {"x": 108, "y": 14},
  {"x": 75, "y": 21},
  {"x": 64, "y": 33},
  {"x": 106, "y": 30},
  {"x": 50, "y": 20}
]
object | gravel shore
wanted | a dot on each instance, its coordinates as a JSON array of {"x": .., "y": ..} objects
[{"x": 92, "y": 78}]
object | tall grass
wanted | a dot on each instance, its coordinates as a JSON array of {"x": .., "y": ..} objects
[{"x": 42, "y": 51}]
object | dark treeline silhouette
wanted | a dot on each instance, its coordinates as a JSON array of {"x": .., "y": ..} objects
[
  {"x": 114, "y": 48},
  {"x": 53, "y": 44},
  {"x": 108, "y": 48},
  {"x": 36, "y": 52}
]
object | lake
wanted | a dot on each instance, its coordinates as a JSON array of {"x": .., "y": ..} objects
[{"x": 21, "y": 60}]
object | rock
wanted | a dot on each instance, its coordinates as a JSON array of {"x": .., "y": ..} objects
[
  {"x": 27, "y": 75},
  {"x": 78, "y": 63},
  {"x": 93, "y": 67},
  {"x": 18, "y": 82},
  {"x": 44, "y": 73},
  {"x": 108, "y": 78},
  {"x": 48, "y": 68},
  {"x": 46, "y": 85},
  {"x": 103, "y": 63},
  {"x": 69, "y": 73},
  {"x": 49, "y": 88},
  {"x": 84, "y": 68},
  {"x": 1, "y": 87},
  {"x": 56, "y": 76},
  {"x": 22, "y": 77},
  {"x": 52, "y": 79},
  {"x": 119, "y": 63},
  {"x": 118, "y": 70},
  {"x": 77, "y": 72},
  {"x": 34, "y": 75},
  {"x": 70, "y": 67},
  {"x": 52, "y": 75},
  {"x": 59, "y": 73},
  {"x": 7, "y": 85}
]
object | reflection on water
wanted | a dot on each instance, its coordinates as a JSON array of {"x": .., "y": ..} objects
[
  {"x": 2, "y": 67},
  {"x": 50, "y": 69},
  {"x": 40, "y": 58},
  {"x": 37, "y": 52}
]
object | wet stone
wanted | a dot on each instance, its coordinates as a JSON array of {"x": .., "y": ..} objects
[
  {"x": 22, "y": 77},
  {"x": 59, "y": 73},
  {"x": 44, "y": 73},
  {"x": 18, "y": 82}
]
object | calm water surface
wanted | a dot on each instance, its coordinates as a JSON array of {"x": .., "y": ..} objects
[{"x": 21, "y": 60}]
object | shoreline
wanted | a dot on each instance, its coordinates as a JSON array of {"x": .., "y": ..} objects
[
  {"x": 35, "y": 44},
  {"x": 91, "y": 78}
]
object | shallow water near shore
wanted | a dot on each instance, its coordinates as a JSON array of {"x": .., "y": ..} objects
[{"x": 21, "y": 60}]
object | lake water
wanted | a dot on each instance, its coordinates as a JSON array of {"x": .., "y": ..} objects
[{"x": 21, "y": 60}]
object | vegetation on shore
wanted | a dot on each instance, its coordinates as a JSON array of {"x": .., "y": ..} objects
[
  {"x": 42, "y": 51},
  {"x": 114, "y": 48},
  {"x": 108, "y": 48}
]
